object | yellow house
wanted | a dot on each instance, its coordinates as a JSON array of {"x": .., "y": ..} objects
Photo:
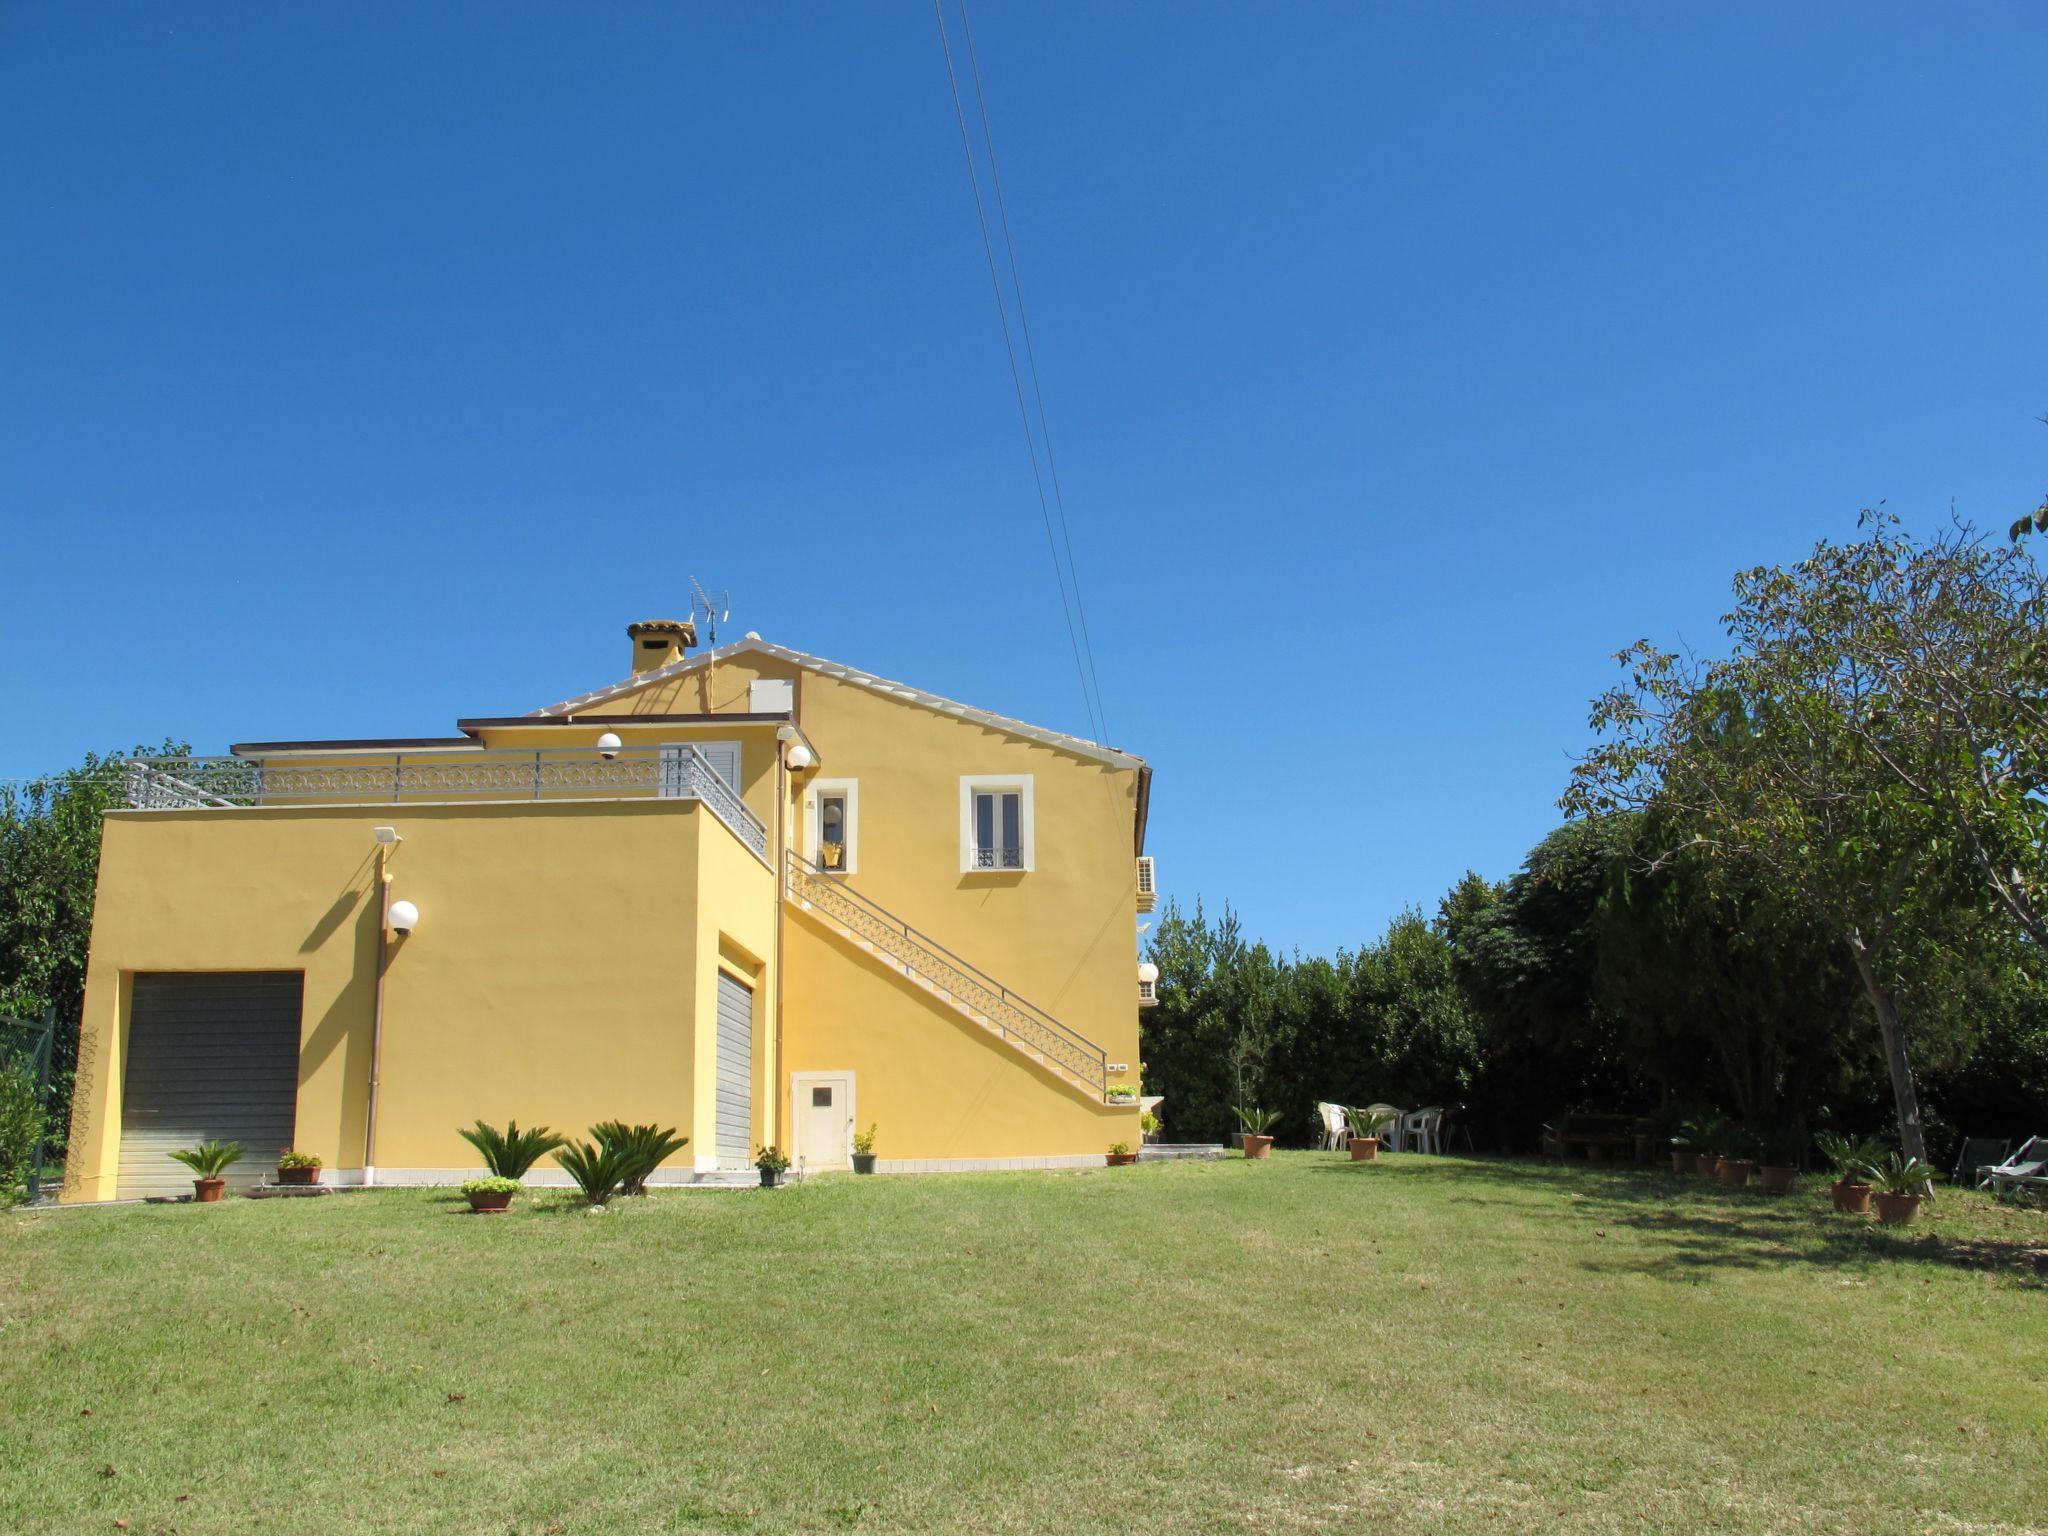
[{"x": 759, "y": 896}]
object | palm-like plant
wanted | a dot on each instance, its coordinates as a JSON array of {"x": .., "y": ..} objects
[
  {"x": 510, "y": 1152},
  {"x": 1850, "y": 1160},
  {"x": 641, "y": 1148},
  {"x": 1368, "y": 1121},
  {"x": 1897, "y": 1174},
  {"x": 210, "y": 1159},
  {"x": 597, "y": 1171},
  {"x": 1257, "y": 1122}
]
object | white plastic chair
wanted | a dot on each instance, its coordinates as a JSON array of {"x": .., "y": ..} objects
[
  {"x": 1418, "y": 1130},
  {"x": 1336, "y": 1126}
]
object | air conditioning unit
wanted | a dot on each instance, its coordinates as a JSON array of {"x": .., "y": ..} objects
[
  {"x": 1148, "y": 884},
  {"x": 1148, "y": 994}
]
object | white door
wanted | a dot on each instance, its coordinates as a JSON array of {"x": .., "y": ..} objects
[{"x": 822, "y": 1108}]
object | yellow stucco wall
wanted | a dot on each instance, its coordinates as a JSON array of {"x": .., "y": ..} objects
[{"x": 562, "y": 952}]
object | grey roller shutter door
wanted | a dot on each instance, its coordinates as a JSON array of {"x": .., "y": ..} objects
[
  {"x": 209, "y": 1054},
  {"x": 735, "y": 1071}
]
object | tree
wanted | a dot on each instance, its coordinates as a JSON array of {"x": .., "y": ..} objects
[
  {"x": 1817, "y": 751},
  {"x": 49, "y": 865}
]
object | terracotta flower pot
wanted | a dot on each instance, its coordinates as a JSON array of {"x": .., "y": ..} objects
[
  {"x": 208, "y": 1191},
  {"x": 299, "y": 1175},
  {"x": 1121, "y": 1159},
  {"x": 1735, "y": 1172},
  {"x": 1896, "y": 1210},
  {"x": 1365, "y": 1149},
  {"x": 1681, "y": 1162},
  {"x": 483, "y": 1201},
  {"x": 1851, "y": 1197},
  {"x": 1707, "y": 1165},
  {"x": 1595, "y": 1152},
  {"x": 1256, "y": 1147},
  {"x": 1778, "y": 1181}
]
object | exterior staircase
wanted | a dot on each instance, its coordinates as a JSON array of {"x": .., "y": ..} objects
[{"x": 968, "y": 991}]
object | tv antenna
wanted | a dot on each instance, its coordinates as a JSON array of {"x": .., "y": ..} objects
[{"x": 713, "y": 610}]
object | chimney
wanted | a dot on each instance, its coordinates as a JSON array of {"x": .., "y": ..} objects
[{"x": 657, "y": 642}]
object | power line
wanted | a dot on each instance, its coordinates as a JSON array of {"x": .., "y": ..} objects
[
  {"x": 1052, "y": 468},
  {"x": 1088, "y": 699}
]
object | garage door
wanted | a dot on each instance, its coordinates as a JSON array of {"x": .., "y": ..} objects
[
  {"x": 213, "y": 1053},
  {"x": 735, "y": 1071}
]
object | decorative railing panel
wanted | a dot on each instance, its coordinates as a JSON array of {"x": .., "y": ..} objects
[
  {"x": 674, "y": 772},
  {"x": 1013, "y": 1018}
]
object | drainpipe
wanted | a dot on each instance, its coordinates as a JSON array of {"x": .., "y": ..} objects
[
  {"x": 781, "y": 874},
  {"x": 377, "y": 1016}
]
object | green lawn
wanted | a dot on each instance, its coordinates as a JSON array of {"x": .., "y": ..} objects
[{"x": 1300, "y": 1346}]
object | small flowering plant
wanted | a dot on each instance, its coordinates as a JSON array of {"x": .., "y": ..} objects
[
  {"x": 492, "y": 1184},
  {"x": 291, "y": 1159}
]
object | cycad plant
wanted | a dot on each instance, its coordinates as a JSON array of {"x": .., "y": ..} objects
[
  {"x": 640, "y": 1148},
  {"x": 1368, "y": 1120},
  {"x": 1897, "y": 1174},
  {"x": 1257, "y": 1122},
  {"x": 210, "y": 1159},
  {"x": 1850, "y": 1160},
  {"x": 597, "y": 1171},
  {"x": 510, "y": 1152}
]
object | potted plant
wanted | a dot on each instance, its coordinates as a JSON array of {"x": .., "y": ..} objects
[
  {"x": 297, "y": 1167},
  {"x": 1781, "y": 1164},
  {"x": 1366, "y": 1125},
  {"x": 1121, "y": 1093},
  {"x": 1120, "y": 1154},
  {"x": 490, "y": 1193},
  {"x": 1736, "y": 1163},
  {"x": 1258, "y": 1131},
  {"x": 773, "y": 1163},
  {"x": 1849, "y": 1160},
  {"x": 1148, "y": 1126},
  {"x": 1899, "y": 1183},
  {"x": 208, "y": 1161},
  {"x": 1682, "y": 1155},
  {"x": 831, "y": 855},
  {"x": 864, "y": 1150}
]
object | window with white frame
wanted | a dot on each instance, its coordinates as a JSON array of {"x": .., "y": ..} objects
[
  {"x": 834, "y": 806},
  {"x": 996, "y": 832}
]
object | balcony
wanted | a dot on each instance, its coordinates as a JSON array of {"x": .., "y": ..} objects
[{"x": 490, "y": 777}]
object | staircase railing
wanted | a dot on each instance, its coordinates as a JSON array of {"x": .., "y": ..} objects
[{"x": 1021, "y": 1022}]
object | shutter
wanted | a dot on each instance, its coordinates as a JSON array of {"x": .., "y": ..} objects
[
  {"x": 210, "y": 1053},
  {"x": 723, "y": 756},
  {"x": 735, "y": 1072}
]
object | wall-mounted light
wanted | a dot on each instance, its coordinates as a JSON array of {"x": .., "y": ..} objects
[
  {"x": 403, "y": 917},
  {"x": 801, "y": 757},
  {"x": 388, "y": 836},
  {"x": 608, "y": 745},
  {"x": 1148, "y": 972}
]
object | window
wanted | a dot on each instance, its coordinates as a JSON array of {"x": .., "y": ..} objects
[
  {"x": 996, "y": 832},
  {"x": 834, "y": 825},
  {"x": 821, "y": 1098}
]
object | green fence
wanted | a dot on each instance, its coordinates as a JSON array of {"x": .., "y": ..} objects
[{"x": 27, "y": 1046}]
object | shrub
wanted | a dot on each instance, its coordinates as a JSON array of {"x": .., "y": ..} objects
[
  {"x": 21, "y": 1126},
  {"x": 210, "y": 1159},
  {"x": 597, "y": 1171},
  {"x": 1149, "y": 1123},
  {"x": 641, "y": 1149},
  {"x": 864, "y": 1141},
  {"x": 492, "y": 1184},
  {"x": 291, "y": 1159},
  {"x": 511, "y": 1152}
]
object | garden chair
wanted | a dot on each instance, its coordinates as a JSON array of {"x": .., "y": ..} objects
[
  {"x": 1390, "y": 1125},
  {"x": 1418, "y": 1131},
  {"x": 2025, "y": 1169},
  {"x": 1336, "y": 1127},
  {"x": 1977, "y": 1154}
]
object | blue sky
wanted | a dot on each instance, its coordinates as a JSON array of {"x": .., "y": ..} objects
[{"x": 363, "y": 366}]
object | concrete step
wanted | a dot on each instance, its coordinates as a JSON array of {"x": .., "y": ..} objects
[{"x": 1178, "y": 1151}]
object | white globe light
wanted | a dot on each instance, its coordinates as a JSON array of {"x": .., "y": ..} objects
[
  {"x": 404, "y": 917},
  {"x": 1148, "y": 972},
  {"x": 608, "y": 744},
  {"x": 801, "y": 757}
]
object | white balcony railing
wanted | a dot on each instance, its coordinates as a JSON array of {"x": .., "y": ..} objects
[{"x": 489, "y": 777}]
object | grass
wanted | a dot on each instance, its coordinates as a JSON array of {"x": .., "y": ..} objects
[{"x": 1305, "y": 1345}]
